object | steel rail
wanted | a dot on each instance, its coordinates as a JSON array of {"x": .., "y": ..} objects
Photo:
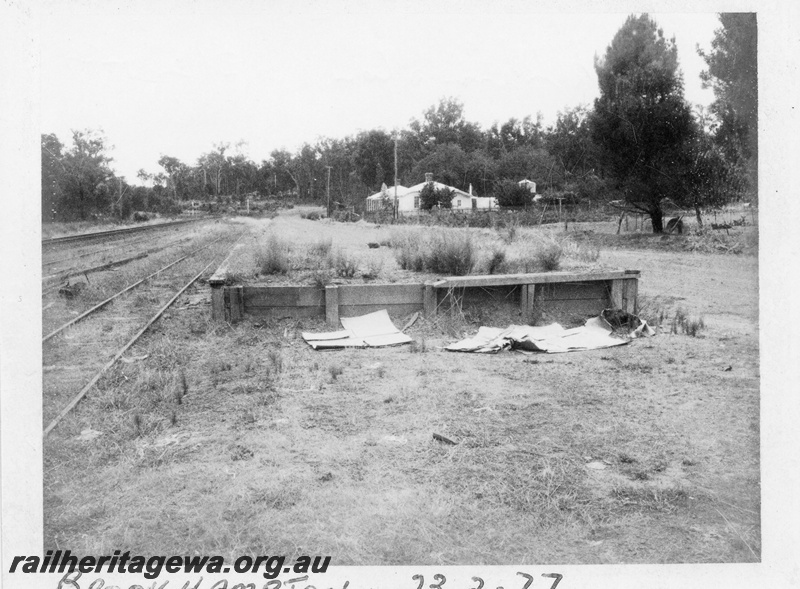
[
  {"x": 113, "y": 232},
  {"x": 123, "y": 291},
  {"x": 77, "y": 398},
  {"x": 136, "y": 241}
]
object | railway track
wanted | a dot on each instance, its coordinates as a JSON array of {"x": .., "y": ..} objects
[
  {"x": 78, "y": 359},
  {"x": 53, "y": 241},
  {"x": 64, "y": 274}
]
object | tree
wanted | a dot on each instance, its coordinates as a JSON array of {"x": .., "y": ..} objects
[
  {"x": 510, "y": 194},
  {"x": 445, "y": 123},
  {"x": 213, "y": 164},
  {"x": 177, "y": 173},
  {"x": 641, "y": 122},
  {"x": 712, "y": 179},
  {"x": 733, "y": 75},
  {"x": 430, "y": 197},
  {"x": 87, "y": 181},
  {"x": 52, "y": 176},
  {"x": 374, "y": 158},
  {"x": 447, "y": 163}
]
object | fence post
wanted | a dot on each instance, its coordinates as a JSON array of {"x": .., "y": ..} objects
[
  {"x": 332, "y": 305},
  {"x": 217, "y": 299},
  {"x": 236, "y": 302},
  {"x": 429, "y": 300}
]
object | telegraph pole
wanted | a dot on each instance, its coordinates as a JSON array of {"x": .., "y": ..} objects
[
  {"x": 328, "y": 190},
  {"x": 394, "y": 209}
]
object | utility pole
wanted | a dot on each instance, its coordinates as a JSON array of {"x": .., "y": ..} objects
[
  {"x": 394, "y": 209},
  {"x": 328, "y": 190}
]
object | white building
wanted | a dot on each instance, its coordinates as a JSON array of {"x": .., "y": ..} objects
[
  {"x": 385, "y": 198},
  {"x": 408, "y": 198}
]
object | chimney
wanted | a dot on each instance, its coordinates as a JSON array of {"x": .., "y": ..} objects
[{"x": 428, "y": 177}]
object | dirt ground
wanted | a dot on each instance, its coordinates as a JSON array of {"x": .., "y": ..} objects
[{"x": 249, "y": 442}]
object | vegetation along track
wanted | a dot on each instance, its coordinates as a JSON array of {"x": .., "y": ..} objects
[
  {"x": 114, "y": 233},
  {"x": 76, "y": 358},
  {"x": 79, "y": 261}
]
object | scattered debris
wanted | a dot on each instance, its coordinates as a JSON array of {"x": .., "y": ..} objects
[
  {"x": 327, "y": 477},
  {"x": 132, "y": 359},
  {"x": 596, "y": 333},
  {"x": 71, "y": 290},
  {"x": 240, "y": 452},
  {"x": 373, "y": 245},
  {"x": 441, "y": 438},
  {"x": 193, "y": 300},
  {"x": 411, "y": 321},
  {"x": 395, "y": 440},
  {"x": 88, "y": 434},
  {"x": 371, "y": 330}
]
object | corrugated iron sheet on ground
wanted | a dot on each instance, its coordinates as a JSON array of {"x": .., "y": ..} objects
[
  {"x": 371, "y": 330},
  {"x": 595, "y": 334}
]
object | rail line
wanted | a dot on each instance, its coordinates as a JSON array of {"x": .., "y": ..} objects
[
  {"x": 135, "y": 241},
  {"x": 76, "y": 399},
  {"x": 87, "y": 387},
  {"x": 126, "y": 289},
  {"x": 115, "y": 232}
]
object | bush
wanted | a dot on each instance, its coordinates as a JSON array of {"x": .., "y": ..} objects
[
  {"x": 321, "y": 248},
  {"x": 273, "y": 257},
  {"x": 345, "y": 264},
  {"x": 408, "y": 253},
  {"x": 430, "y": 197},
  {"x": 542, "y": 256},
  {"x": 497, "y": 262},
  {"x": 548, "y": 256},
  {"x": 510, "y": 194},
  {"x": 450, "y": 254}
]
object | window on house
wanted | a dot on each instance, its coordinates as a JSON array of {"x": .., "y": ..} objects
[{"x": 416, "y": 202}]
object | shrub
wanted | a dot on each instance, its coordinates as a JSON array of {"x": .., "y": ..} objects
[
  {"x": 510, "y": 194},
  {"x": 548, "y": 256},
  {"x": 321, "y": 247},
  {"x": 430, "y": 197},
  {"x": 374, "y": 268},
  {"x": 683, "y": 324},
  {"x": 346, "y": 265},
  {"x": 273, "y": 257},
  {"x": 450, "y": 254},
  {"x": 497, "y": 262},
  {"x": 544, "y": 255}
]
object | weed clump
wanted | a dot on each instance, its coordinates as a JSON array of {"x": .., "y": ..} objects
[
  {"x": 497, "y": 262},
  {"x": 321, "y": 248},
  {"x": 450, "y": 254},
  {"x": 346, "y": 265},
  {"x": 682, "y": 324},
  {"x": 273, "y": 257}
]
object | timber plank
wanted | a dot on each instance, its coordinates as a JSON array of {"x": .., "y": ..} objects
[
  {"x": 283, "y": 296},
  {"x": 386, "y": 294},
  {"x": 537, "y": 278},
  {"x": 282, "y": 312},
  {"x": 583, "y": 307},
  {"x": 574, "y": 290}
]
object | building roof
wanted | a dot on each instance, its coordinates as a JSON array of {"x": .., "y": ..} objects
[
  {"x": 439, "y": 186},
  {"x": 401, "y": 190}
]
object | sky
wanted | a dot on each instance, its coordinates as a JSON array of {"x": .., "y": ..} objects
[{"x": 176, "y": 78}]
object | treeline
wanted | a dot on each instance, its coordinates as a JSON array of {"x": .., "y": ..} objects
[{"x": 640, "y": 143}]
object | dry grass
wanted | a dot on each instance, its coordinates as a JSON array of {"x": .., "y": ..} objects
[{"x": 244, "y": 428}]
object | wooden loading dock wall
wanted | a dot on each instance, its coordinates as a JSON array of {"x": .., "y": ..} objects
[{"x": 554, "y": 293}]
